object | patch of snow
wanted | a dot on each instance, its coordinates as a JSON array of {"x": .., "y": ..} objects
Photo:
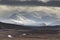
[{"x": 10, "y": 36}]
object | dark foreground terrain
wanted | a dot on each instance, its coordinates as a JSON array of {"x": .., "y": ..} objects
[
  {"x": 17, "y": 36},
  {"x": 18, "y": 32}
]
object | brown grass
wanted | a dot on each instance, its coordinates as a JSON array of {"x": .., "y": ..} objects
[{"x": 3, "y": 36}]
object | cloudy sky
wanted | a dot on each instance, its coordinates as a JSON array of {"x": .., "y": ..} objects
[{"x": 29, "y": 15}]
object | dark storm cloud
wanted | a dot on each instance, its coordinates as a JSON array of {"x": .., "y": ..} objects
[{"x": 30, "y": 3}]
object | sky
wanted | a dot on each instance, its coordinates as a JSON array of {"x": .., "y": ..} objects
[{"x": 29, "y": 15}]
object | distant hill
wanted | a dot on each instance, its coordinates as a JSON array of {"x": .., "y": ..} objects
[{"x": 11, "y": 26}]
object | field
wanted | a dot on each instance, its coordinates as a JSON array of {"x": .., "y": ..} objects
[{"x": 14, "y": 36}]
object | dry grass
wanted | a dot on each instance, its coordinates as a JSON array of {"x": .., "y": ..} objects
[{"x": 3, "y": 36}]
